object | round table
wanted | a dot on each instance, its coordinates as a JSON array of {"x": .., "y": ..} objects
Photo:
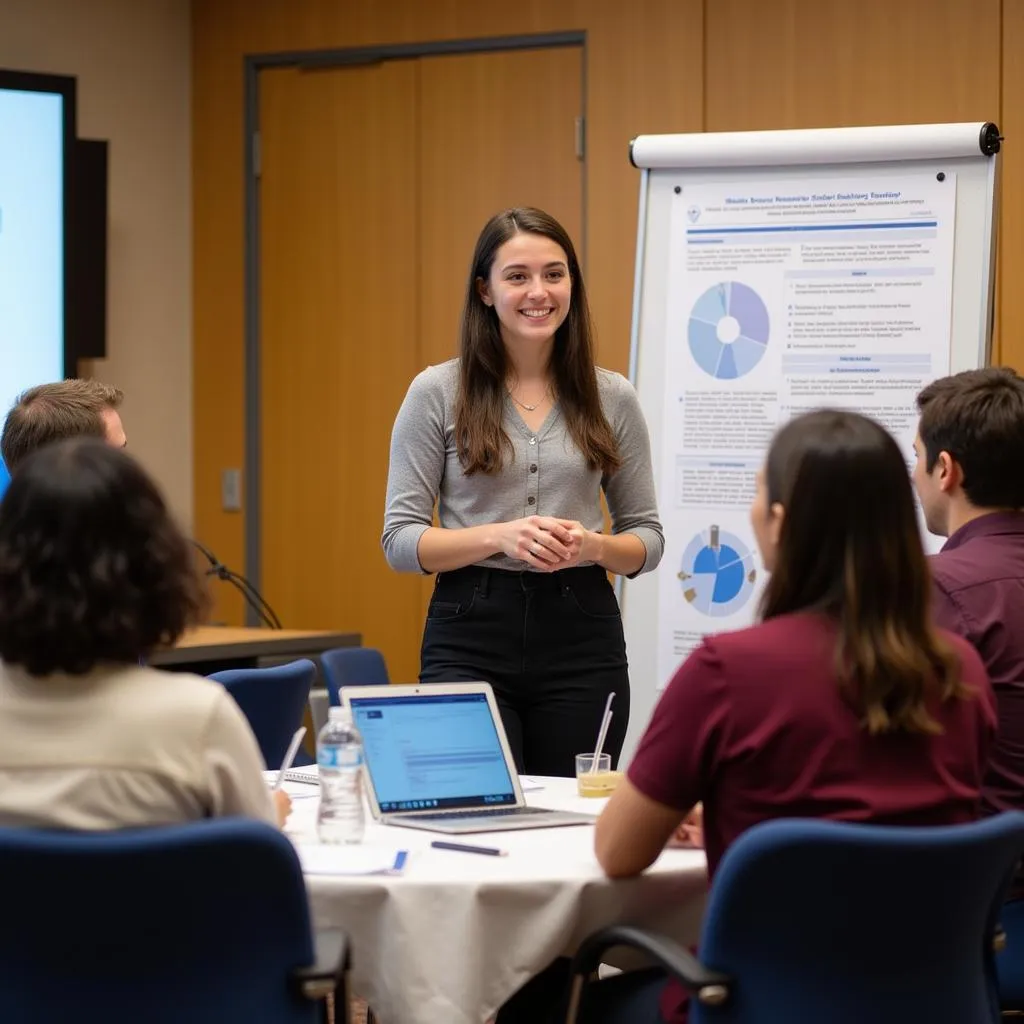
[{"x": 455, "y": 934}]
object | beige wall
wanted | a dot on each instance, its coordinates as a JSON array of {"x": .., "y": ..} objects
[{"x": 132, "y": 61}]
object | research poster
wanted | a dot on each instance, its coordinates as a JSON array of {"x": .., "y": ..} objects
[
  {"x": 784, "y": 296},
  {"x": 31, "y": 241}
]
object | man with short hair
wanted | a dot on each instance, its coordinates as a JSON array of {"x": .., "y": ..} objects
[
  {"x": 54, "y": 412},
  {"x": 970, "y": 479}
]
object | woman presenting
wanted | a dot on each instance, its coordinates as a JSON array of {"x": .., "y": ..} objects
[{"x": 515, "y": 441}]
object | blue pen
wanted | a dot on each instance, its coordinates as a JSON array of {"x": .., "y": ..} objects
[{"x": 487, "y": 851}]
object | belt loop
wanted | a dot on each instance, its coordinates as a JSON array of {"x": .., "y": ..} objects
[{"x": 485, "y": 579}]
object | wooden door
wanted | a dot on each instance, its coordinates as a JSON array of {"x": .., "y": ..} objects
[
  {"x": 514, "y": 144},
  {"x": 375, "y": 183}
]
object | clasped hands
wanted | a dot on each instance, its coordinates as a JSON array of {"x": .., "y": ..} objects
[{"x": 547, "y": 543}]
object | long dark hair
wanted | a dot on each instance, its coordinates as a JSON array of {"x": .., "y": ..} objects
[
  {"x": 479, "y": 436},
  {"x": 93, "y": 568},
  {"x": 850, "y": 547}
]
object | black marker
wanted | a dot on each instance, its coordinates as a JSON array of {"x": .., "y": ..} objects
[{"x": 487, "y": 851}]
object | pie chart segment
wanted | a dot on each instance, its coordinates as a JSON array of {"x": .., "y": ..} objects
[
  {"x": 728, "y": 330},
  {"x": 717, "y": 572}
]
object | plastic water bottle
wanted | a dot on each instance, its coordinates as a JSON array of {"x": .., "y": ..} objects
[{"x": 339, "y": 755}]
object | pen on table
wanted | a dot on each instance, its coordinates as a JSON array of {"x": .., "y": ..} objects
[
  {"x": 289, "y": 757},
  {"x": 487, "y": 851}
]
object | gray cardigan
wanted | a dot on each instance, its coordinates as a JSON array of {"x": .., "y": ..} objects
[{"x": 546, "y": 476}]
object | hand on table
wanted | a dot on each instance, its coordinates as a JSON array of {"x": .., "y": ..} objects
[
  {"x": 282, "y": 805},
  {"x": 689, "y": 834}
]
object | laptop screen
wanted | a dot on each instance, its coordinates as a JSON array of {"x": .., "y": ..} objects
[{"x": 433, "y": 751}]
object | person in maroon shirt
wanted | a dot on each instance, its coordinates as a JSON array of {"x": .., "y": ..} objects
[
  {"x": 844, "y": 702},
  {"x": 970, "y": 480}
]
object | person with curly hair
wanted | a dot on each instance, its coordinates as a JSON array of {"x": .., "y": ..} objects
[{"x": 94, "y": 577}]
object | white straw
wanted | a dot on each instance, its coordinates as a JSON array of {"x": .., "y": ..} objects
[
  {"x": 289, "y": 757},
  {"x": 606, "y": 719}
]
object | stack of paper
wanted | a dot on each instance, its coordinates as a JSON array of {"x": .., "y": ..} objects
[
  {"x": 300, "y": 783},
  {"x": 321, "y": 859}
]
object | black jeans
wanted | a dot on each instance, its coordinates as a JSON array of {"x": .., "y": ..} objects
[
  {"x": 551, "y": 646},
  {"x": 630, "y": 998}
]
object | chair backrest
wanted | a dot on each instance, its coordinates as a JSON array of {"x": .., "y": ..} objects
[
  {"x": 837, "y": 922},
  {"x": 1010, "y": 962},
  {"x": 352, "y": 666},
  {"x": 199, "y": 923},
  {"x": 274, "y": 700}
]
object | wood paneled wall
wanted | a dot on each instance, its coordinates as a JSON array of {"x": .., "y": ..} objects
[{"x": 652, "y": 66}]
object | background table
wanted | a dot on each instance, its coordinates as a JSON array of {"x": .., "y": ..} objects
[
  {"x": 456, "y": 934},
  {"x": 212, "y": 648}
]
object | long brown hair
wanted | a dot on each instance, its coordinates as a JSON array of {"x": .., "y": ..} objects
[
  {"x": 480, "y": 439},
  {"x": 850, "y": 547}
]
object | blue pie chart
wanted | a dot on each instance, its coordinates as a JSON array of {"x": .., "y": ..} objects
[
  {"x": 728, "y": 330},
  {"x": 717, "y": 573}
]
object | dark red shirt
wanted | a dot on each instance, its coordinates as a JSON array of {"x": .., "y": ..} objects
[
  {"x": 978, "y": 593},
  {"x": 753, "y": 724}
]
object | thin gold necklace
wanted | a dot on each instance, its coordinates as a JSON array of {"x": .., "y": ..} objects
[{"x": 536, "y": 405}]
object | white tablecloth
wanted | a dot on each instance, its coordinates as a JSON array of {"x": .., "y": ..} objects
[{"x": 453, "y": 936}]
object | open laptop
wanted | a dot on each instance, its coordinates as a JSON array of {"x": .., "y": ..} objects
[{"x": 437, "y": 758}]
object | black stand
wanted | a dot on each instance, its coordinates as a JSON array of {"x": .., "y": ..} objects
[{"x": 252, "y": 596}]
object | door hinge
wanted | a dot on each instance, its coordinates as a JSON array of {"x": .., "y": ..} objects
[
  {"x": 257, "y": 155},
  {"x": 581, "y": 137}
]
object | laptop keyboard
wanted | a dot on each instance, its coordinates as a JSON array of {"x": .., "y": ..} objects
[{"x": 503, "y": 812}]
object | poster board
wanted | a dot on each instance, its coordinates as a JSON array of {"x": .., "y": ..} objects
[{"x": 779, "y": 272}]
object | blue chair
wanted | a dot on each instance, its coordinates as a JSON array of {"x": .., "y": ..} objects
[
  {"x": 352, "y": 666},
  {"x": 274, "y": 700},
  {"x": 206, "y": 923},
  {"x": 1010, "y": 961},
  {"x": 812, "y": 921}
]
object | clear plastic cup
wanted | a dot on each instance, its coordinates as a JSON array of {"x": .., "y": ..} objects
[{"x": 595, "y": 783}]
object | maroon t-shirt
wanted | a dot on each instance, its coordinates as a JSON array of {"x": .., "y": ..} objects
[
  {"x": 753, "y": 724},
  {"x": 978, "y": 594}
]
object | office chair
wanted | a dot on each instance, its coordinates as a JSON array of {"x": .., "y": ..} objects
[
  {"x": 812, "y": 921},
  {"x": 1010, "y": 960},
  {"x": 274, "y": 700},
  {"x": 352, "y": 666},
  {"x": 206, "y": 923}
]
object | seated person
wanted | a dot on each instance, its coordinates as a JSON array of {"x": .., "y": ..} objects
[
  {"x": 94, "y": 577},
  {"x": 970, "y": 450},
  {"x": 843, "y": 702},
  {"x": 56, "y": 412},
  {"x": 60, "y": 411}
]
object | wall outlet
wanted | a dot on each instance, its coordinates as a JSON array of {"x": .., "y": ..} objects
[{"x": 231, "y": 490}]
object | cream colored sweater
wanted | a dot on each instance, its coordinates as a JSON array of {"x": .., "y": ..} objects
[{"x": 123, "y": 747}]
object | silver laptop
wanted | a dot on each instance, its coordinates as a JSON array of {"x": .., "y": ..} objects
[{"x": 437, "y": 758}]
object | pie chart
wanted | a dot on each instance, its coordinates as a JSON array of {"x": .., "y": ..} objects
[
  {"x": 728, "y": 330},
  {"x": 718, "y": 572}
]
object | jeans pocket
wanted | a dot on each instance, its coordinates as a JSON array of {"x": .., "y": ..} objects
[
  {"x": 594, "y": 602},
  {"x": 448, "y": 611}
]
